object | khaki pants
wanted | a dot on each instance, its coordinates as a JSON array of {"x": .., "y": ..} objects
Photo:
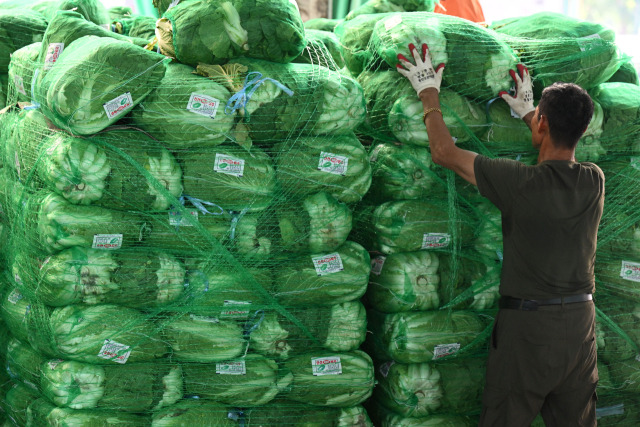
[{"x": 544, "y": 362}]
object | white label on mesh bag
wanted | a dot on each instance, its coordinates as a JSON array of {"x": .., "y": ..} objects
[
  {"x": 586, "y": 43},
  {"x": 53, "y": 364},
  {"x": 107, "y": 241},
  {"x": 204, "y": 318},
  {"x": 332, "y": 163},
  {"x": 203, "y": 105},
  {"x": 176, "y": 218},
  {"x": 53, "y": 53},
  {"x": 115, "y": 352},
  {"x": 18, "y": 82},
  {"x": 231, "y": 368},
  {"x": 327, "y": 264},
  {"x": 377, "y": 263},
  {"x": 435, "y": 240},
  {"x": 392, "y": 22},
  {"x": 443, "y": 350},
  {"x": 229, "y": 165},
  {"x": 118, "y": 105},
  {"x": 235, "y": 313},
  {"x": 630, "y": 271},
  {"x": 15, "y": 296},
  {"x": 326, "y": 366}
]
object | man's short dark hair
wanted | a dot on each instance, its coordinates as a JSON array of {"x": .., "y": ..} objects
[{"x": 568, "y": 109}]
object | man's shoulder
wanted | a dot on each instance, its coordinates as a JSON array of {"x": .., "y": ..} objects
[{"x": 593, "y": 167}]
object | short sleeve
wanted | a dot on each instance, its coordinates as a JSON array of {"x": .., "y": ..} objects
[{"x": 498, "y": 180}]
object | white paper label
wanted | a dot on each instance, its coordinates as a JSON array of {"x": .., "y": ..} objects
[
  {"x": 231, "y": 368},
  {"x": 107, "y": 241},
  {"x": 435, "y": 240},
  {"x": 15, "y": 296},
  {"x": 203, "y": 105},
  {"x": 392, "y": 22},
  {"x": 586, "y": 43},
  {"x": 630, "y": 271},
  {"x": 207, "y": 319},
  {"x": 375, "y": 153},
  {"x": 332, "y": 163},
  {"x": 443, "y": 350},
  {"x": 115, "y": 352},
  {"x": 53, "y": 364},
  {"x": 53, "y": 53},
  {"x": 229, "y": 165},
  {"x": 118, "y": 105},
  {"x": 176, "y": 218},
  {"x": 327, "y": 264},
  {"x": 326, "y": 366},
  {"x": 235, "y": 313},
  {"x": 377, "y": 263},
  {"x": 18, "y": 82}
]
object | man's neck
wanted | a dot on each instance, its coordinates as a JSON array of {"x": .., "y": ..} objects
[{"x": 551, "y": 152}]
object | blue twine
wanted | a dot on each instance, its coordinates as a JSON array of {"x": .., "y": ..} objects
[
  {"x": 204, "y": 278},
  {"x": 243, "y": 96},
  {"x": 200, "y": 204},
  {"x": 237, "y": 415},
  {"x": 34, "y": 104},
  {"x": 234, "y": 221},
  {"x": 253, "y": 323}
]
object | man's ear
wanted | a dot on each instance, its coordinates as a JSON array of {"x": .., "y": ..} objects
[{"x": 543, "y": 124}]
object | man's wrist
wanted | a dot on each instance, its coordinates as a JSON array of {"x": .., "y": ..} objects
[{"x": 430, "y": 97}]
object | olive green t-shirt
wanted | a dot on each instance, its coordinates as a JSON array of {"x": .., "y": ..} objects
[{"x": 550, "y": 217}]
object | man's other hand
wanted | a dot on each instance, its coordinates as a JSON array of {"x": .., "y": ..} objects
[
  {"x": 421, "y": 75},
  {"x": 522, "y": 103}
]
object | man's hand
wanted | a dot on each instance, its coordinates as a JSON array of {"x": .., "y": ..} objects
[
  {"x": 522, "y": 103},
  {"x": 421, "y": 75}
]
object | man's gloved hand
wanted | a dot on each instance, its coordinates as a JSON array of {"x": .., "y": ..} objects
[
  {"x": 522, "y": 103},
  {"x": 421, "y": 75}
]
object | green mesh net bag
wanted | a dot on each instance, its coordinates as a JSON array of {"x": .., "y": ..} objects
[
  {"x": 383, "y": 6},
  {"x": 213, "y": 31},
  {"x": 143, "y": 27},
  {"x": 18, "y": 28}
]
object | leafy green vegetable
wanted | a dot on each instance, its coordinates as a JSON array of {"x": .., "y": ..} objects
[
  {"x": 323, "y": 24},
  {"x": 92, "y": 10},
  {"x": 323, "y": 48},
  {"x": 331, "y": 379},
  {"x": 627, "y": 73},
  {"x": 318, "y": 223},
  {"x": 293, "y": 414},
  {"x": 16, "y": 401},
  {"x": 185, "y": 110},
  {"x": 18, "y": 28},
  {"x": 224, "y": 383},
  {"x": 213, "y": 31},
  {"x": 386, "y": 418},
  {"x": 621, "y": 105},
  {"x": 589, "y": 148},
  {"x": 41, "y": 413},
  {"x": 354, "y": 36},
  {"x": 340, "y": 327},
  {"x": 230, "y": 177},
  {"x": 143, "y": 27},
  {"x": 416, "y": 337},
  {"x": 23, "y": 363},
  {"x": 423, "y": 389},
  {"x": 323, "y": 278},
  {"x": 129, "y": 387},
  {"x": 21, "y": 69},
  {"x": 127, "y": 74},
  {"x": 100, "y": 171},
  {"x": 337, "y": 165},
  {"x": 195, "y": 338},
  {"x": 194, "y": 412},
  {"x": 505, "y": 132},
  {"x": 383, "y": 6},
  {"x": 15, "y": 311}
]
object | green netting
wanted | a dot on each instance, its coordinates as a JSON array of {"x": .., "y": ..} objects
[
  {"x": 259, "y": 236},
  {"x": 382, "y": 6}
]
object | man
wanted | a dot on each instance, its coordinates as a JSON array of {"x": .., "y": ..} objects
[{"x": 542, "y": 357}]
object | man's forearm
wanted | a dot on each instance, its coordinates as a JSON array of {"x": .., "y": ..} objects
[
  {"x": 440, "y": 140},
  {"x": 527, "y": 119}
]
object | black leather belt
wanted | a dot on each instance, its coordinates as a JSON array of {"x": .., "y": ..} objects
[{"x": 532, "y": 305}]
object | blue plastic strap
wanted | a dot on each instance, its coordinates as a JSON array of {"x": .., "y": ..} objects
[
  {"x": 204, "y": 277},
  {"x": 252, "y": 82},
  {"x": 234, "y": 221},
  {"x": 238, "y": 416},
  {"x": 200, "y": 205},
  {"x": 253, "y": 323},
  {"x": 34, "y": 104}
]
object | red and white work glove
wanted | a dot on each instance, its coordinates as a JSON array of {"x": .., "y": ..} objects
[
  {"x": 421, "y": 75},
  {"x": 522, "y": 103}
]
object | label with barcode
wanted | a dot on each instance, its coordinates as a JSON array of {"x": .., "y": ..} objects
[
  {"x": 231, "y": 368},
  {"x": 207, "y": 319},
  {"x": 118, "y": 106},
  {"x": 443, "y": 350},
  {"x": 203, "y": 105},
  {"x": 18, "y": 82},
  {"x": 377, "y": 263},
  {"x": 229, "y": 165},
  {"x": 107, "y": 241},
  {"x": 235, "y": 310},
  {"x": 53, "y": 53},
  {"x": 327, "y": 264},
  {"x": 630, "y": 271},
  {"x": 326, "y": 366},
  {"x": 115, "y": 352},
  {"x": 435, "y": 240},
  {"x": 333, "y": 163}
]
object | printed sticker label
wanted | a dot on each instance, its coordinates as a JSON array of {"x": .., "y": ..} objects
[
  {"x": 235, "y": 313},
  {"x": 333, "y": 163},
  {"x": 119, "y": 105},
  {"x": 107, "y": 241},
  {"x": 203, "y": 105},
  {"x": 392, "y": 22},
  {"x": 229, "y": 165},
  {"x": 326, "y": 366},
  {"x": 327, "y": 264},
  {"x": 115, "y": 352},
  {"x": 630, "y": 271},
  {"x": 53, "y": 53},
  {"x": 207, "y": 319},
  {"x": 377, "y": 263},
  {"x": 176, "y": 218},
  {"x": 15, "y": 296},
  {"x": 231, "y": 368},
  {"x": 587, "y": 43},
  {"x": 18, "y": 82},
  {"x": 443, "y": 350},
  {"x": 435, "y": 240}
]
